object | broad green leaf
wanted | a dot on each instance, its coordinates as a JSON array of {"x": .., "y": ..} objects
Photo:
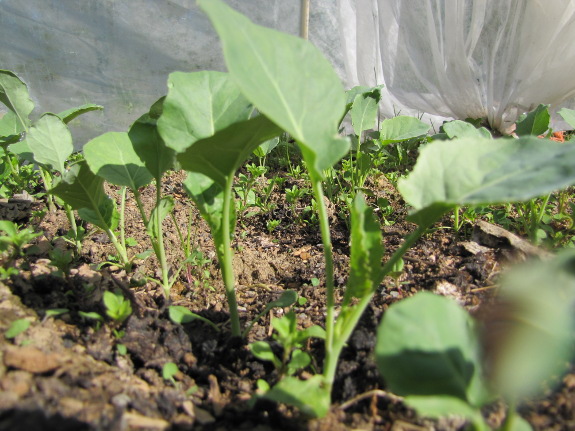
[
  {"x": 364, "y": 113},
  {"x": 22, "y": 150},
  {"x": 352, "y": 93},
  {"x": 209, "y": 198},
  {"x": 288, "y": 80},
  {"x": 10, "y": 128},
  {"x": 84, "y": 191},
  {"x": 112, "y": 157},
  {"x": 263, "y": 351},
  {"x": 535, "y": 122},
  {"x": 366, "y": 252},
  {"x": 401, "y": 128},
  {"x": 443, "y": 406},
  {"x": 267, "y": 147},
  {"x": 199, "y": 104},
  {"x": 14, "y": 94},
  {"x": 427, "y": 345},
  {"x": 161, "y": 210},
  {"x": 16, "y": 328},
  {"x": 532, "y": 328},
  {"x": 482, "y": 171},
  {"x": 69, "y": 114},
  {"x": 221, "y": 155},
  {"x": 150, "y": 147},
  {"x": 568, "y": 115},
  {"x": 51, "y": 142},
  {"x": 310, "y": 396},
  {"x": 463, "y": 129}
]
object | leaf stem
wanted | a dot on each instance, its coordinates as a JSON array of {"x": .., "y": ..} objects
[
  {"x": 226, "y": 259},
  {"x": 161, "y": 252}
]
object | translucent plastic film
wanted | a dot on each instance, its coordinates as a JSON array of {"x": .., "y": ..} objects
[
  {"x": 464, "y": 58},
  {"x": 119, "y": 53}
]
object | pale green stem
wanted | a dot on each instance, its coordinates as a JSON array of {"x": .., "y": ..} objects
[
  {"x": 329, "y": 285},
  {"x": 47, "y": 185},
  {"x": 73, "y": 227},
  {"x": 161, "y": 252},
  {"x": 226, "y": 259},
  {"x": 122, "y": 216}
]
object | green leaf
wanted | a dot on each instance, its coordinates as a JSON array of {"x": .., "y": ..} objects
[
  {"x": 531, "y": 331},
  {"x": 164, "y": 207},
  {"x": 169, "y": 370},
  {"x": 84, "y": 191},
  {"x": 263, "y": 351},
  {"x": 443, "y": 406},
  {"x": 22, "y": 150},
  {"x": 568, "y": 115},
  {"x": 299, "y": 360},
  {"x": 16, "y": 328},
  {"x": 150, "y": 147},
  {"x": 181, "y": 315},
  {"x": 117, "y": 307},
  {"x": 401, "y": 128},
  {"x": 535, "y": 122},
  {"x": 310, "y": 396},
  {"x": 364, "y": 112},
  {"x": 463, "y": 129},
  {"x": 366, "y": 252},
  {"x": 56, "y": 312},
  {"x": 267, "y": 147},
  {"x": 199, "y": 104},
  {"x": 91, "y": 315},
  {"x": 70, "y": 114},
  {"x": 14, "y": 94},
  {"x": 482, "y": 171},
  {"x": 288, "y": 80},
  {"x": 10, "y": 128},
  {"x": 51, "y": 142},
  {"x": 428, "y": 346},
  {"x": 112, "y": 157},
  {"x": 221, "y": 155}
]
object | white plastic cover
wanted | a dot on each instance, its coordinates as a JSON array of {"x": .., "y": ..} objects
[
  {"x": 463, "y": 58},
  {"x": 119, "y": 53}
]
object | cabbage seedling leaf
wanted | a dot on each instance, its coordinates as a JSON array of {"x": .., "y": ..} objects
[
  {"x": 401, "y": 128},
  {"x": 221, "y": 155},
  {"x": 427, "y": 345},
  {"x": 112, "y": 157},
  {"x": 51, "y": 142},
  {"x": 288, "y": 80},
  {"x": 473, "y": 171},
  {"x": 70, "y": 114},
  {"x": 14, "y": 94},
  {"x": 199, "y": 104}
]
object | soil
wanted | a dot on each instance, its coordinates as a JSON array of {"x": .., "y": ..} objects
[{"x": 66, "y": 372}]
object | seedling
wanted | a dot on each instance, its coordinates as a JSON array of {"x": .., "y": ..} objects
[
  {"x": 118, "y": 308},
  {"x": 270, "y": 71},
  {"x": 13, "y": 239},
  {"x": 16, "y": 328},
  {"x": 169, "y": 370}
]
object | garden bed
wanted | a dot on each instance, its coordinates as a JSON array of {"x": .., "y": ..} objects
[{"x": 66, "y": 372}]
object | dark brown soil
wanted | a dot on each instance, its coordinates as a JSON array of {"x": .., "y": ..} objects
[{"x": 65, "y": 372}]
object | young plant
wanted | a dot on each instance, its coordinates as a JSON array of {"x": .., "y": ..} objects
[
  {"x": 13, "y": 239},
  {"x": 443, "y": 361},
  {"x": 117, "y": 307},
  {"x": 272, "y": 71},
  {"x": 212, "y": 151}
]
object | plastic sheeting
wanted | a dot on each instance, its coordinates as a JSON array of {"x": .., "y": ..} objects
[
  {"x": 462, "y": 58},
  {"x": 119, "y": 53}
]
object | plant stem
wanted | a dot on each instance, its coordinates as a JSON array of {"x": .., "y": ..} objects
[
  {"x": 161, "y": 252},
  {"x": 122, "y": 216},
  {"x": 226, "y": 259},
  {"x": 73, "y": 228},
  {"x": 329, "y": 286},
  {"x": 47, "y": 185}
]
